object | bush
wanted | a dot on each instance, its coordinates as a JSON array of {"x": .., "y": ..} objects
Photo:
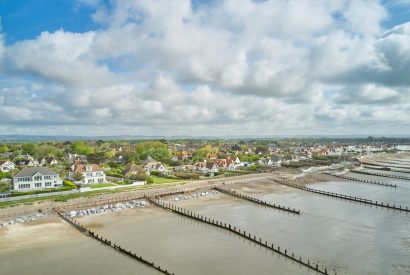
[
  {"x": 5, "y": 175},
  {"x": 4, "y": 187},
  {"x": 155, "y": 173},
  {"x": 186, "y": 175},
  {"x": 69, "y": 183},
  {"x": 149, "y": 180},
  {"x": 114, "y": 174}
]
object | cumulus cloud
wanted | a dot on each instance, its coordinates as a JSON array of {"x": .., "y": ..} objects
[{"x": 257, "y": 67}]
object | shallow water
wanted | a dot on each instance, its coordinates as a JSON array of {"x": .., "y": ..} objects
[
  {"x": 185, "y": 246},
  {"x": 398, "y": 196},
  {"x": 350, "y": 237}
]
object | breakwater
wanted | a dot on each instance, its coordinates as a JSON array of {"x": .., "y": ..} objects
[
  {"x": 105, "y": 241},
  {"x": 360, "y": 180},
  {"x": 342, "y": 196},
  {"x": 385, "y": 168},
  {"x": 399, "y": 162},
  {"x": 384, "y": 165},
  {"x": 238, "y": 231},
  {"x": 380, "y": 174},
  {"x": 256, "y": 200}
]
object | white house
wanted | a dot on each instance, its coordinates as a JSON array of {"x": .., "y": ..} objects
[
  {"x": 36, "y": 178},
  {"x": 6, "y": 166},
  {"x": 156, "y": 166},
  {"x": 92, "y": 173}
]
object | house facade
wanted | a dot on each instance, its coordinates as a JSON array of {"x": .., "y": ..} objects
[
  {"x": 32, "y": 178},
  {"x": 6, "y": 166},
  {"x": 92, "y": 173}
]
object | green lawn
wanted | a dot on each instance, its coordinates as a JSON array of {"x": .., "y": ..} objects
[
  {"x": 100, "y": 185},
  {"x": 159, "y": 180}
]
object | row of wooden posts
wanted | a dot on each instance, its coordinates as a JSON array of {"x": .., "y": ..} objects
[
  {"x": 256, "y": 200},
  {"x": 237, "y": 231},
  {"x": 342, "y": 196},
  {"x": 361, "y": 180},
  {"x": 395, "y": 162},
  {"x": 380, "y": 174},
  {"x": 129, "y": 253},
  {"x": 386, "y": 168}
]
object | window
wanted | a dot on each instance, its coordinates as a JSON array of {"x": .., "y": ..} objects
[
  {"x": 47, "y": 177},
  {"x": 37, "y": 184},
  {"x": 24, "y": 186},
  {"x": 38, "y": 178},
  {"x": 48, "y": 184}
]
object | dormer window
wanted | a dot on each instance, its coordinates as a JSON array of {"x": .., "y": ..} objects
[{"x": 88, "y": 168}]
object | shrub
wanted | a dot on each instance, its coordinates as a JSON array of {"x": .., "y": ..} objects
[
  {"x": 114, "y": 174},
  {"x": 149, "y": 180},
  {"x": 69, "y": 183},
  {"x": 186, "y": 175}
]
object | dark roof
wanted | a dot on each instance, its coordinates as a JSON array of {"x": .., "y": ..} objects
[
  {"x": 23, "y": 162},
  {"x": 30, "y": 171}
]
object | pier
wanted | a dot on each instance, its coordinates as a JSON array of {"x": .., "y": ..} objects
[
  {"x": 256, "y": 200},
  {"x": 105, "y": 241},
  {"x": 342, "y": 196},
  {"x": 226, "y": 226}
]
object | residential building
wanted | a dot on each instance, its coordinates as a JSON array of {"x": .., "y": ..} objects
[
  {"x": 31, "y": 178},
  {"x": 6, "y": 166},
  {"x": 92, "y": 173},
  {"x": 25, "y": 162}
]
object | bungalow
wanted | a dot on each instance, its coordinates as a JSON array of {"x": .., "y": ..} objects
[
  {"x": 36, "y": 178},
  {"x": 212, "y": 167},
  {"x": 151, "y": 164},
  {"x": 52, "y": 161},
  {"x": 155, "y": 166},
  {"x": 92, "y": 173},
  {"x": 6, "y": 166}
]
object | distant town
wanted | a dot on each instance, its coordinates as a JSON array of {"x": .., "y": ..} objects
[{"x": 57, "y": 166}]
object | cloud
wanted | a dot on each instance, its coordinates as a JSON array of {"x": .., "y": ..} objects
[{"x": 258, "y": 67}]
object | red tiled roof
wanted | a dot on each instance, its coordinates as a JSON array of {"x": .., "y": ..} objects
[{"x": 82, "y": 168}]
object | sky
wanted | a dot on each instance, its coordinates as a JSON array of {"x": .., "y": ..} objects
[{"x": 205, "y": 68}]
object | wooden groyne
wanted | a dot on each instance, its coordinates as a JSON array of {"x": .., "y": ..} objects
[
  {"x": 385, "y": 168},
  {"x": 239, "y": 232},
  {"x": 360, "y": 180},
  {"x": 342, "y": 196},
  {"x": 256, "y": 200},
  {"x": 385, "y": 165},
  {"x": 399, "y": 162},
  {"x": 105, "y": 241},
  {"x": 380, "y": 174}
]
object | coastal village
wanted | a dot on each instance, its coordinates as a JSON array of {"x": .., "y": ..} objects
[{"x": 27, "y": 168}]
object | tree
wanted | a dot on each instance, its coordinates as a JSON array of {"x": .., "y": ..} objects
[
  {"x": 79, "y": 147},
  {"x": 48, "y": 150},
  {"x": 156, "y": 149},
  {"x": 29, "y": 148},
  {"x": 3, "y": 148},
  {"x": 77, "y": 176}
]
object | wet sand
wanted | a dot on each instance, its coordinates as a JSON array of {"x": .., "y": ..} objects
[{"x": 54, "y": 247}]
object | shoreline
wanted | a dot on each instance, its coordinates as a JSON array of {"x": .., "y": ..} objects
[{"x": 26, "y": 212}]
